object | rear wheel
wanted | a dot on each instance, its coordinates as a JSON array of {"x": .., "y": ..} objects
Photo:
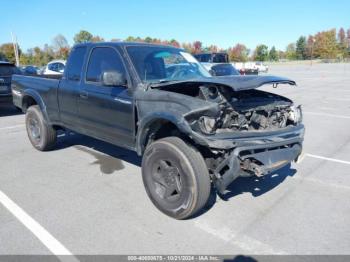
[
  {"x": 41, "y": 135},
  {"x": 175, "y": 177}
]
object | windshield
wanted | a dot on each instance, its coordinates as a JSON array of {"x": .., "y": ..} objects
[
  {"x": 8, "y": 69},
  {"x": 156, "y": 64}
]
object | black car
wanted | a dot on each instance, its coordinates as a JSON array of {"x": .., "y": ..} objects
[
  {"x": 7, "y": 69},
  {"x": 30, "y": 70}
]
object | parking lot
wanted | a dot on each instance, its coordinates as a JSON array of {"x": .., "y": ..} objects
[{"x": 87, "y": 197}]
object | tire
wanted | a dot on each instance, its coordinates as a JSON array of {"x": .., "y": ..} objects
[
  {"x": 175, "y": 177},
  {"x": 41, "y": 135}
]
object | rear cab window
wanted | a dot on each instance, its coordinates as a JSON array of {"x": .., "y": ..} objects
[{"x": 75, "y": 63}]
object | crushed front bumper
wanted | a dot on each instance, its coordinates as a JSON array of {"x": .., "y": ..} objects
[{"x": 259, "y": 155}]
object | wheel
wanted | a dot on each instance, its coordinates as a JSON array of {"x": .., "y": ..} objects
[
  {"x": 176, "y": 177},
  {"x": 41, "y": 135}
]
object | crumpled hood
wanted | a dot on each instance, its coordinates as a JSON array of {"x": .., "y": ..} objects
[{"x": 237, "y": 83}]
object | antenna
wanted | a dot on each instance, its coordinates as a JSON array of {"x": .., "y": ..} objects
[{"x": 15, "y": 48}]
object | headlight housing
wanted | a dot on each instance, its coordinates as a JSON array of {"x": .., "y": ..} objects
[{"x": 296, "y": 114}]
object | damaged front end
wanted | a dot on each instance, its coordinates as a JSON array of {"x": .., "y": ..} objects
[{"x": 248, "y": 132}]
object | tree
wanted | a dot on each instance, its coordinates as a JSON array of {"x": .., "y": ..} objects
[
  {"x": 238, "y": 53},
  {"x": 342, "y": 42},
  {"x": 58, "y": 42},
  {"x": 261, "y": 53},
  {"x": 130, "y": 39},
  {"x": 325, "y": 45},
  {"x": 341, "y": 36},
  {"x": 97, "y": 38},
  {"x": 175, "y": 43},
  {"x": 310, "y": 47},
  {"x": 83, "y": 37},
  {"x": 273, "y": 54},
  {"x": 8, "y": 52},
  {"x": 300, "y": 51},
  {"x": 60, "y": 47},
  {"x": 188, "y": 47},
  {"x": 291, "y": 52},
  {"x": 197, "y": 47}
]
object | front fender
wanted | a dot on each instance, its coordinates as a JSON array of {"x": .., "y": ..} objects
[{"x": 146, "y": 122}]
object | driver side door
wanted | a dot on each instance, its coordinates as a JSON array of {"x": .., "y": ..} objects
[{"x": 106, "y": 112}]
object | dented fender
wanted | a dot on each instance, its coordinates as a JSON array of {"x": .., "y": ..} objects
[{"x": 155, "y": 105}]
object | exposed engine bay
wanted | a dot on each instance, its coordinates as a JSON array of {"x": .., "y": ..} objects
[{"x": 246, "y": 110}]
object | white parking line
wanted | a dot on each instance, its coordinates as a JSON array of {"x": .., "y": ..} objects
[
  {"x": 248, "y": 244},
  {"x": 325, "y": 114},
  {"x": 323, "y": 183},
  {"x": 329, "y": 159},
  {"x": 10, "y": 127},
  {"x": 41, "y": 233}
]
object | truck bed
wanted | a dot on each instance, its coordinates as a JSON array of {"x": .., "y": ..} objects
[{"x": 44, "y": 87}]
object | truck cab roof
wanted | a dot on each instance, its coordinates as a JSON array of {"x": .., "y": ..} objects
[{"x": 124, "y": 44}]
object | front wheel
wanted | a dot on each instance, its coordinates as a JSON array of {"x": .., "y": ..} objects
[
  {"x": 176, "y": 177},
  {"x": 40, "y": 133}
]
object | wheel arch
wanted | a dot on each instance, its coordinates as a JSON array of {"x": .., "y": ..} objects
[
  {"x": 31, "y": 97},
  {"x": 158, "y": 126}
]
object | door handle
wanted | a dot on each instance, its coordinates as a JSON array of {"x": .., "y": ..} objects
[{"x": 84, "y": 95}]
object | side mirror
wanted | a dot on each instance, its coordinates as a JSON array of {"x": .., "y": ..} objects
[
  {"x": 212, "y": 72},
  {"x": 113, "y": 78}
]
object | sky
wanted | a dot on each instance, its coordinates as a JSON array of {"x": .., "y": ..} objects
[{"x": 223, "y": 23}]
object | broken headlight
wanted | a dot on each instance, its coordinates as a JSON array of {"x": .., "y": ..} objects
[
  {"x": 207, "y": 124},
  {"x": 295, "y": 114}
]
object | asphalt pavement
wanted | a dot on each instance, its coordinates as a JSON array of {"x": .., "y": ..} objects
[{"x": 87, "y": 197}]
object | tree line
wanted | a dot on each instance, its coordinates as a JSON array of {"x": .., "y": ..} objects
[{"x": 329, "y": 44}]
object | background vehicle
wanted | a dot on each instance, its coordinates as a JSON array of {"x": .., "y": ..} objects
[
  {"x": 6, "y": 71},
  {"x": 30, "y": 70},
  {"x": 220, "y": 57},
  {"x": 221, "y": 69},
  {"x": 217, "y": 63},
  {"x": 246, "y": 68},
  {"x": 192, "y": 130},
  {"x": 55, "y": 67},
  {"x": 261, "y": 67}
]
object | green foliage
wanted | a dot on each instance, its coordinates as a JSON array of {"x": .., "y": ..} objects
[
  {"x": 273, "y": 54},
  {"x": 325, "y": 44},
  {"x": 291, "y": 52},
  {"x": 261, "y": 53},
  {"x": 8, "y": 52},
  {"x": 83, "y": 37},
  {"x": 300, "y": 51}
]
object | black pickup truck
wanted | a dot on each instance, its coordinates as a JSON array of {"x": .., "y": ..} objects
[{"x": 191, "y": 129}]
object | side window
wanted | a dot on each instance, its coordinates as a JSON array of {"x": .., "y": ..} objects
[
  {"x": 75, "y": 63},
  {"x": 53, "y": 67},
  {"x": 60, "y": 67},
  {"x": 103, "y": 59}
]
